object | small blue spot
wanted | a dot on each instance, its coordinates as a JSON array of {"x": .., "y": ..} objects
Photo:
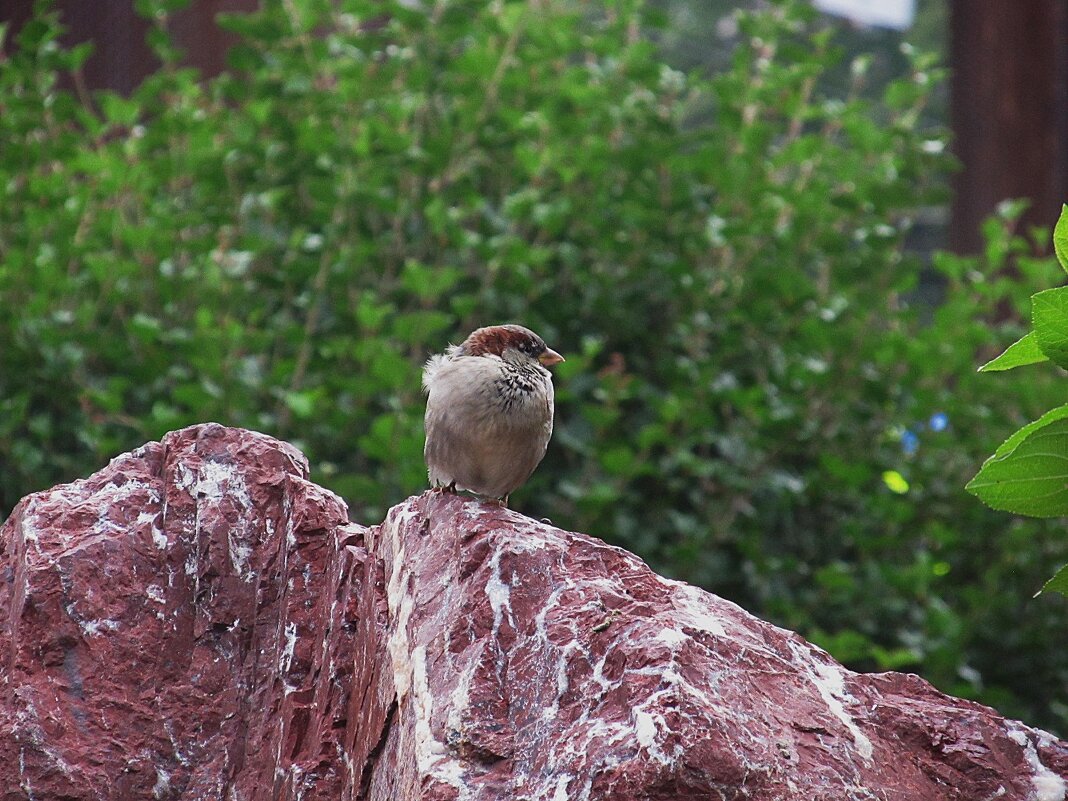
[
  {"x": 909, "y": 442},
  {"x": 938, "y": 422}
]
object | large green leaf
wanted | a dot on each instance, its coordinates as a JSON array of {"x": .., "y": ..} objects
[
  {"x": 1059, "y": 583},
  {"x": 1060, "y": 238},
  {"x": 1029, "y": 473},
  {"x": 1023, "y": 351},
  {"x": 1058, "y": 413},
  {"x": 1049, "y": 315}
]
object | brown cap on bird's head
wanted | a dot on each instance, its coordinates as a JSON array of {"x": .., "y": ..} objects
[{"x": 494, "y": 340}]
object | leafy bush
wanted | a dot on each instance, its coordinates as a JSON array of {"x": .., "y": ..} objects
[{"x": 719, "y": 257}]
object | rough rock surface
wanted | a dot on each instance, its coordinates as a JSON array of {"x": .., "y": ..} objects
[
  {"x": 179, "y": 625},
  {"x": 198, "y": 621}
]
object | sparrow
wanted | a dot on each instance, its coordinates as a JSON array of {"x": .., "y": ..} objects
[{"x": 489, "y": 411}]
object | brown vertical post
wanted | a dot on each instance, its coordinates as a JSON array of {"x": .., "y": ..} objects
[
  {"x": 205, "y": 43},
  {"x": 1009, "y": 109},
  {"x": 121, "y": 59},
  {"x": 120, "y": 56}
]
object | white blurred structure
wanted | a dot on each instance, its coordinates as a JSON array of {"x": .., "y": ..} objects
[{"x": 882, "y": 13}]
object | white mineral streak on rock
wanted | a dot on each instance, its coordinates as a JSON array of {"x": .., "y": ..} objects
[
  {"x": 212, "y": 482},
  {"x": 339, "y": 572},
  {"x": 286, "y": 658},
  {"x": 560, "y": 792},
  {"x": 598, "y": 671},
  {"x": 90, "y": 628},
  {"x": 1047, "y": 785},
  {"x": 671, "y": 637},
  {"x": 499, "y": 594},
  {"x": 530, "y": 544},
  {"x": 562, "y": 683},
  {"x": 163, "y": 783},
  {"x": 190, "y": 565},
  {"x": 279, "y": 769},
  {"x": 552, "y": 652},
  {"x": 103, "y": 500},
  {"x": 159, "y": 539},
  {"x": 240, "y": 556},
  {"x": 400, "y": 603},
  {"x": 94, "y": 627},
  {"x": 24, "y": 779},
  {"x": 184, "y": 477},
  {"x": 697, "y": 611},
  {"x": 168, "y": 727},
  {"x": 650, "y": 728},
  {"x": 645, "y": 729},
  {"x": 57, "y": 759},
  {"x": 830, "y": 682},
  {"x": 216, "y": 480},
  {"x": 460, "y": 698},
  {"x": 28, "y": 531},
  {"x": 431, "y": 756}
]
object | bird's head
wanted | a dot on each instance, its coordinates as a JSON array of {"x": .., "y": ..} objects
[{"x": 511, "y": 343}]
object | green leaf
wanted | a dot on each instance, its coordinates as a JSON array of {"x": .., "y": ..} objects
[
  {"x": 847, "y": 645},
  {"x": 1049, "y": 315},
  {"x": 145, "y": 327},
  {"x": 1030, "y": 478},
  {"x": 1060, "y": 238},
  {"x": 117, "y": 109},
  {"x": 302, "y": 404},
  {"x": 429, "y": 283},
  {"x": 1059, "y": 583},
  {"x": 895, "y": 658},
  {"x": 1058, "y": 413},
  {"x": 1024, "y": 351}
]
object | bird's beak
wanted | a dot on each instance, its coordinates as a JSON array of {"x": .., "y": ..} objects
[{"x": 550, "y": 357}]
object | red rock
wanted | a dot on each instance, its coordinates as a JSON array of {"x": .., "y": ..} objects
[
  {"x": 197, "y": 620},
  {"x": 178, "y": 626}
]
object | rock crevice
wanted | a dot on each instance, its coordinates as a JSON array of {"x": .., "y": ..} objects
[{"x": 198, "y": 620}]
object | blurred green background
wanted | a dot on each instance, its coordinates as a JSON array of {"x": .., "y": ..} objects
[{"x": 770, "y": 384}]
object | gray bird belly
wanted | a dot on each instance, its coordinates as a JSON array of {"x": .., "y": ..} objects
[{"x": 481, "y": 450}]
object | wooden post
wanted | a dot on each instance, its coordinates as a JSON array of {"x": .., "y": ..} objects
[
  {"x": 1009, "y": 110},
  {"x": 121, "y": 58}
]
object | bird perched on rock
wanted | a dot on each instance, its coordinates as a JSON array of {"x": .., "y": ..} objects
[{"x": 489, "y": 410}]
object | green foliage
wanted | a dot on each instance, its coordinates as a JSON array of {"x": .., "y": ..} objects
[
  {"x": 1028, "y": 474},
  {"x": 720, "y": 258},
  {"x": 1059, "y": 582},
  {"x": 1023, "y": 351},
  {"x": 1060, "y": 238},
  {"x": 1049, "y": 315}
]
